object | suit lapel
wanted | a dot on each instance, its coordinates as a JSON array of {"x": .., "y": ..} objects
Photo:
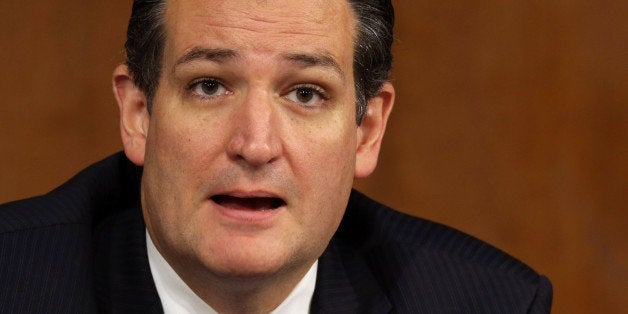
[
  {"x": 345, "y": 283},
  {"x": 124, "y": 282}
]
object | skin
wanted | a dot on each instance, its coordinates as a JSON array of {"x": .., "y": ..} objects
[{"x": 273, "y": 125}]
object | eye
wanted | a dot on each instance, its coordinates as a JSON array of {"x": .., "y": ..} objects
[
  {"x": 208, "y": 88},
  {"x": 307, "y": 95}
]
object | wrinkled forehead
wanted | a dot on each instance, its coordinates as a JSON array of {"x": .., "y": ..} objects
[
  {"x": 260, "y": 24},
  {"x": 305, "y": 10}
]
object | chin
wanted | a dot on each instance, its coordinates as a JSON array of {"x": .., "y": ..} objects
[
  {"x": 248, "y": 261},
  {"x": 247, "y": 268}
]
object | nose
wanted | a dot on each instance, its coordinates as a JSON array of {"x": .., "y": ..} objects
[{"x": 255, "y": 139}]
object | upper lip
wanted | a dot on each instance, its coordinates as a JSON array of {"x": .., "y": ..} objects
[{"x": 249, "y": 194}]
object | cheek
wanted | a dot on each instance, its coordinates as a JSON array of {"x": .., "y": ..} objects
[
  {"x": 179, "y": 143},
  {"x": 324, "y": 165},
  {"x": 331, "y": 148},
  {"x": 175, "y": 159},
  {"x": 173, "y": 178}
]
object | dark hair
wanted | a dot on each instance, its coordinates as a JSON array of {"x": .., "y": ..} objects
[
  {"x": 372, "y": 48},
  {"x": 145, "y": 38},
  {"x": 372, "y": 58}
]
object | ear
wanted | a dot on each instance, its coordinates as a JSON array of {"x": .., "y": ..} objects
[
  {"x": 371, "y": 130},
  {"x": 134, "y": 117}
]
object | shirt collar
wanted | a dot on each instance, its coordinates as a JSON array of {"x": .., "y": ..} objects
[{"x": 177, "y": 297}]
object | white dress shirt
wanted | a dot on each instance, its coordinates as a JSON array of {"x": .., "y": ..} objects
[{"x": 177, "y": 298}]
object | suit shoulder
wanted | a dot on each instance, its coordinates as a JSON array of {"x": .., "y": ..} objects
[
  {"x": 37, "y": 212},
  {"x": 382, "y": 226},
  {"x": 44, "y": 251},
  {"x": 89, "y": 195},
  {"x": 404, "y": 250}
]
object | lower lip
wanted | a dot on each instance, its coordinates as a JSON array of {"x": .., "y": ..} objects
[{"x": 246, "y": 216}]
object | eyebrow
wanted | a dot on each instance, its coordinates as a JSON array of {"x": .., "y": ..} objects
[
  {"x": 316, "y": 59},
  {"x": 220, "y": 55},
  {"x": 211, "y": 54}
]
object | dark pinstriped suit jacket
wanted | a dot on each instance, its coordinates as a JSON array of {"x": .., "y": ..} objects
[{"x": 81, "y": 249}]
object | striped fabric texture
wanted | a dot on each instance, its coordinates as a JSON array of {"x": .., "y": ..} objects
[{"x": 81, "y": 249}]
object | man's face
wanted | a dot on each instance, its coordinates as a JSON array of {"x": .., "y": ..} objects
[{"x": 251, "y": 145}]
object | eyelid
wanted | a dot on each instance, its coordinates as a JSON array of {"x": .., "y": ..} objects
[
  {"x": 316, "y": 88},
  {"x": 194, "y": 83},
  {"x": 204, "y": 79},
  {"x": 319, "y": 94}
]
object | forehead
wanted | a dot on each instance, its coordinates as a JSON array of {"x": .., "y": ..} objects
[{"x": 261, "y": 26}]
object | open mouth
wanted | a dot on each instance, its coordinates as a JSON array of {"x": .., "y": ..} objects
[{"x": 248, "y": 203}]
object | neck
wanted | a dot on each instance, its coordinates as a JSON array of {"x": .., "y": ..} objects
[{"x": 241, "y": 294}]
